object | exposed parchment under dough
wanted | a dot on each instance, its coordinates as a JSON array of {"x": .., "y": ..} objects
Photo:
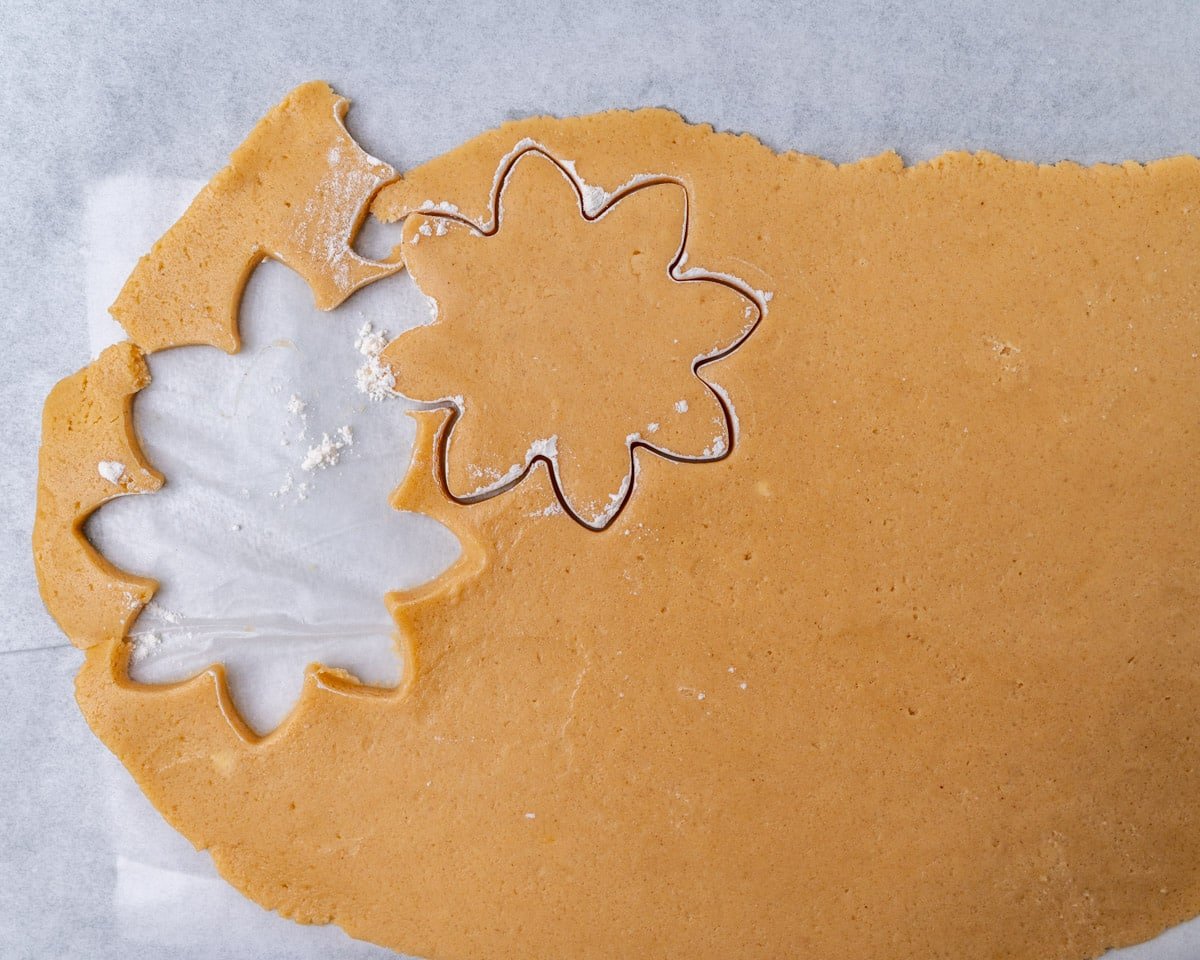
[
  {"x": 959, "y": 591},
  {"x": 297, "y": 189}
]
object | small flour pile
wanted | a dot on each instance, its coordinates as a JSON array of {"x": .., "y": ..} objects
[
  {"x": 373, "y": 378},
  {"x": 111, "y": 470},
  {"x": 328, "y": 451}
]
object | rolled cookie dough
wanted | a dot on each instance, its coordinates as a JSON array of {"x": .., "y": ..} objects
[
  {"x": 296, "y": 190},
  {"x": 913, "y": 673}
]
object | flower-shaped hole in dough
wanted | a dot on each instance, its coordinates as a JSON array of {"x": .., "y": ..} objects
[{"x": 569, "y": 336}]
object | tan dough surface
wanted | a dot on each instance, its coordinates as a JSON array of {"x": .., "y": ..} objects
[
  {"x": 296, "y": 190},
  {"x": 913, "y": 673},
  {"x": 87, "y": 419},
  {"x": 589, "y": 320}
]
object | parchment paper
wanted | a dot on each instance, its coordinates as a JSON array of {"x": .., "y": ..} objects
[
  {"x": 267, "y": 563},
  {"x": 162, "y": 92}
]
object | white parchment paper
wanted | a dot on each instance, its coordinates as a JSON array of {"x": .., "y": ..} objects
[
  {"x": 266, "y": 562},
  {"x": 161, "y": 92}
]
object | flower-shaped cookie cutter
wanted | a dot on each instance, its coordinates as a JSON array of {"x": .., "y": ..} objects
[{"x": 589, "y": 286}]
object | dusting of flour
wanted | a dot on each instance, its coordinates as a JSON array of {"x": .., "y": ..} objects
[
  {"x": 373, "y": 378},
  {"x": 328, "y": 451},
  {"x": 111, "y": 470}
]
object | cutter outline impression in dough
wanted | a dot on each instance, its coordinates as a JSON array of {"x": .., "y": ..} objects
[{"x": 591, "y": 209}]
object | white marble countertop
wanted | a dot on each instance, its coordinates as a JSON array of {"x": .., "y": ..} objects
[{"x": 165, "y": 90}]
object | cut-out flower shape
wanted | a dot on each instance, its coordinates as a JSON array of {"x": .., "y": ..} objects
[{"x": 568, "y": 336}]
